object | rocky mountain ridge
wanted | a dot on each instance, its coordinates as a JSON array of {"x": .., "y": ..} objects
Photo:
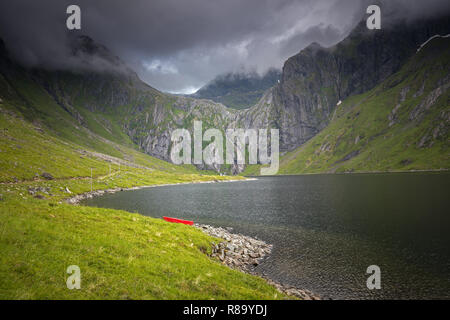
[
  {"x": 112, "y": 103},
  {"x": 238, "y": 90}
]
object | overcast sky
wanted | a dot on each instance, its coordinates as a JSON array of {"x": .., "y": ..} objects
[{"x": 179, "y": 45}]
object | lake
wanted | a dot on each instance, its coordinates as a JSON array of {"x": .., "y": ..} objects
[{"x": 326, "y": 229}]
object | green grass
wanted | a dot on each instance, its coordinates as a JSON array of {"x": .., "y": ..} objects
[
  {"x": 121, "y": 255},
  {"x": 28, "y": 150}
]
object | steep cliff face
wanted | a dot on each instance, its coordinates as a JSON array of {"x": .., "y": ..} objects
[
  {"x": 317, "y": 79},
  {"x": 401, "y": 124},
  {"x": 144, "y": 114}
]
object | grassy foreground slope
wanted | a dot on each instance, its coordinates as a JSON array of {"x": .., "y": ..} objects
[
  {"x": 121, "y": 255},
  {"x": 400, "y": 125}
]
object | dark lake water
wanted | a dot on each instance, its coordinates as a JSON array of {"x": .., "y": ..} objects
[{"x": 326, "y": 229}]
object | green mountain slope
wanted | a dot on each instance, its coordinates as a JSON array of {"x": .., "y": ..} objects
[
  {"x": 401, "y": 124},
  {"x": 316, "y": 79},
  {"x": 78, "y": 111},
  {"x": 37, "y": 135}
]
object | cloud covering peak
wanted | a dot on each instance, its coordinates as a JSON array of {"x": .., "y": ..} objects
[{"x": 178, "y": 46}]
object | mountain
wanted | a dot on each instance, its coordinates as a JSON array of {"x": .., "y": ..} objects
[
  {"x": 61, "y": 123},
  {"x": 316, "y": 79},
  {"x": 99, "y": 103},
  {"x": 238, "y": 90},
  {"x": 401, "y": 124},
  {"x": 102, "y": 105}
]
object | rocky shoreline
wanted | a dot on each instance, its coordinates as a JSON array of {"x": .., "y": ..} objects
[
  {"x": 91, "y": 194},
  {"x": 236, "y": 251},
  {"x": 245, "y": 253}
]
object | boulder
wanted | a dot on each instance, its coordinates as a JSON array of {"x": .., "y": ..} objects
[{"x": 47, "y": 176}]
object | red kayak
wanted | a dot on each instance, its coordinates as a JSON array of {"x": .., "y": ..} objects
[{"x": 175, "y": 220}]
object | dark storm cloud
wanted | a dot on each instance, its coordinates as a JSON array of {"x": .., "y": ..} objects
[{"x": 178, "y": 45}]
